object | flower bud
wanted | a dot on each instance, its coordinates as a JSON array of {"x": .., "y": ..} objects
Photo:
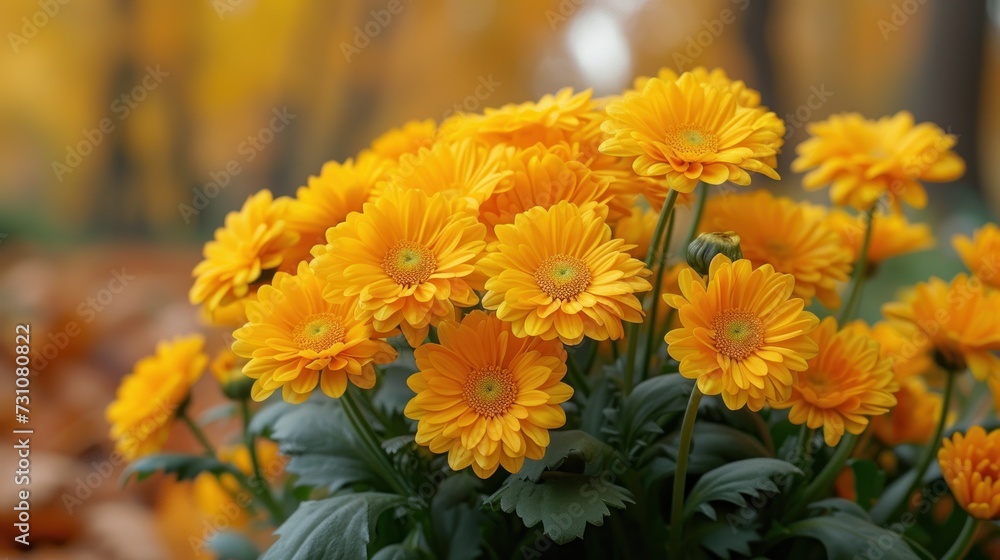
[
  {"x": 703, "y": 249},
  {"x": 229, "y": 372}
]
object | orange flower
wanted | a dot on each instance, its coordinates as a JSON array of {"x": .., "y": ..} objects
[
  {"x": 970, "y": 464},
  {"x": 981, "y": 254},
  {"x": 892, "y": 235},
  {"x": 407, "y": 139}
]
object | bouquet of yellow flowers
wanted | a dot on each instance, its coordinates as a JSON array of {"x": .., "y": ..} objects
[{"x": 561, "y": 329}]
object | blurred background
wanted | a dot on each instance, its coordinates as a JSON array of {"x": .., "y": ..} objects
[{"x": 129, "y": 128}]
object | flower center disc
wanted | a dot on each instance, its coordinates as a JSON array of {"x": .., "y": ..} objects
[
  {"x": 691, "y": 142},
  {"x": 490, "y": 391},
  {"x": 737, "y": 333},
  {"x": 409, "y": 263},
  {"x": 319, "y": 332},
  {"x": 563, "y": 276}
]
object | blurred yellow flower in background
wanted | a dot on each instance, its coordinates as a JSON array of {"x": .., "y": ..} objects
[
  {"x": 981, "y": 254},
  {"x": 296, "y": 340},
  {"x": 148, "y": 398},
  {"x": 550, "y": 120},
  {"x": 224, "y": 496},
  {"x": 865, "y": 159},
  {"x": 407, "y": 139},
  {"x": 742, "y": 334},
  {"x": 636, "y": 230},
  {"x": 487, "y": 397},
  {"x": 970, "y": 464},
  {"x": 254, "y": 241},
  {"x": 327, "y": 199},
  {"x": 687, "y": 132},
  {"x": 793, "y": 237},
  {"x": 843, "y": 386},
  {"x": 406, "y": 258},
  {"x": 960, "y": 320},
  {"x": 892, "y": 235},
  {"x": 557, "y": 273},
  {"x": 913, "y": 419}
]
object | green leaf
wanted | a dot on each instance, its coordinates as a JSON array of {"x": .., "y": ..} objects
[
  {"x": 838, "y": 505},
  {"x": 869, "y": 481},
  {"x": 457, "y": 517},
  {"x": 262, "y": 423},
  {"x": 232, "y": 546},
  {"x": 846, "y": 536},
  {"x": 730, "y": 482},
  {"x": 721, "y": 538},
  {"x": 564, "y": 503},
  {"x": 713, "y": 445},
  {"x": 186, "y": 467},
  {"x": 650, "y": 403},
  {"x": 571, "y": 450},
  {"x": 396, "y": 552},
  {"x": 324, "y": 450},
  {"x": 331, "y": 529}
]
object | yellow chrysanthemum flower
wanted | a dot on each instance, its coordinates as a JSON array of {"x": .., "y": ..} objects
[
  {"x": 557, "y": 273},
  {"x": 406, "y": 257},
  {"x": 550, "y": 120},
  {"x": 147, "y": 398},
  {"x": 637, "y": 230},
  {"x": 961, "y": 322},
  {"x": 793, "y": 237},
  {"x": 463, "y": 171},
  {"x": 892, "y": 235},
  {"x": 742, "y": 334},
  {"x": 981, "y": 253},
  {"x": 970, "y": 464},
  {"x": 253, "y": 241},
  {"x": 865, "y": 160},
  {"x": 296, "y": 340},
  {"x": 542, "y": 176},
  {"x": 224, "y": 496},
  {"x": 407, "y": 139},
  {"x": 717, "y": 77},
  {"x": 845, "y": 384},
  {"x": 340, "y": 188},
  {"x": 914, "y": 418},
  {"x": 687, "y": 132},
  {"x": 486, "y": 397}
]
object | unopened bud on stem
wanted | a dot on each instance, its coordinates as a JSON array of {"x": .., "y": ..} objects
[{"x": 703, "y": 249}]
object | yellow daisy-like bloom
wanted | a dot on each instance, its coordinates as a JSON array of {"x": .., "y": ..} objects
[
  {"x": 550, "y": 120},
  {"x": 254, "y": 240},
  {"x": 340, "y": 188},
  {"x": 742, "y": 333},
  {"x": 486, "y": 397},
  {"x": 897, "y": 342},
  {"x": 865, "y": 160},
  {"x": 970, "y": 464},
  {"x": 981, "y": 253},
  {"x": 406, "y": 258},
  {"x": 463, "y": 170},
  {"x": 542, "y": 176},
  {"x": 407, "y": 139},
  {"x": 223, "y": 495},
  {"x": 845, "y": 384},
  {"x": 637, "y": 231},
  {"x": 961, "y": 322},
  {"x": 914, "y": 418},
  {"x": 717, "y": 77},
  {"x": 687, "y": 132},
  {"x": 147, "y": 399},
  {"x": 793, "y": 237},
  {"x": 296, "y": 340},
  {"x": 892, "y": 235},
  {"x": 557, "y": 273}
]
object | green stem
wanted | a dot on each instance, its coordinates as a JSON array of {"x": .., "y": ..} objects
[
  {"x": 698, "y": 210},
  {"x": 858, "y": 275},
  {"x": 197, "y": 433},
  {"x": 964, "y": 541},
  {"x": 924, "y": 462},
  {"x": 825, "y": 477},
  {"x": 370, "y": 440},
  {"x": 632, "y": 331},
  {"x": 265, "y": 495},
  {"x": 591, "y": 356},
  {"x": 680, "y": 475},
  {"x": 576, "y": 376},
  {"x": 654, "y": 306}
]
